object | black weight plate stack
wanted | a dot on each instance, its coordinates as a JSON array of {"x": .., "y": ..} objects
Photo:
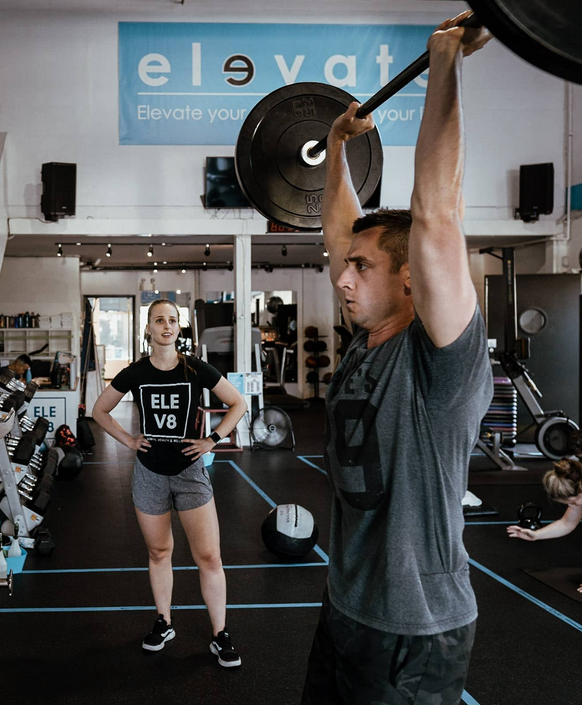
[
  {"x": 269, "y": 167},
  {"x": 501, "y": 417}
]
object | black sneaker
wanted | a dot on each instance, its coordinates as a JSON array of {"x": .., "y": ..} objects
[
  {"x": 160, "y": 634},
  {"x": 222, "y": 647}
]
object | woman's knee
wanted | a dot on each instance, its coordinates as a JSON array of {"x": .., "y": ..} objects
[
  {"x": 160, "y": 554},
  {"x": 209, "y": 561}
]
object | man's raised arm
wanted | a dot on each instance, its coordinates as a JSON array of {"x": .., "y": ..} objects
[
  {"x": 341, "y": 207},
  {"x": 443, "y": 292}
]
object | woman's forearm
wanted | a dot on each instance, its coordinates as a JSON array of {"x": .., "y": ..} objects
[
  {"x": 231, "y": 418},
  {"x": 554, "y": 530}
]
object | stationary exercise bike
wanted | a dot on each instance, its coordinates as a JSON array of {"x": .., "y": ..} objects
[{"x": 554, "y": 432}]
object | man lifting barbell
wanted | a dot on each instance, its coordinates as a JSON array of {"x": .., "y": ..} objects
[{"x": 403, "y": 412}]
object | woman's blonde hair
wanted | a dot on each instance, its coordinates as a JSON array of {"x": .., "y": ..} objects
[{"x": 564, "y": 480}]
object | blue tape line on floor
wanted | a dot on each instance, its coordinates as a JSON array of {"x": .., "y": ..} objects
[
  {"x": 468, "y": 699},
  {"x": 313, "y": 465},
  {"x": 186, "y": 567},
  {"x": 527, "y": 596},
  {"x": 316, "y": 548},
  {"x": 144, "y": 608}
]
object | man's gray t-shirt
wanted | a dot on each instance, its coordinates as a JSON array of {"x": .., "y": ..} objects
[{"x": 402, "y": 419}]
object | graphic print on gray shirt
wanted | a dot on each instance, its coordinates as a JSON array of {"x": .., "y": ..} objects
[{"x": 402, "y": 419}]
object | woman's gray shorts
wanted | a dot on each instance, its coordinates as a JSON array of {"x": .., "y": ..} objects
[{"x": 156, "y": 494}]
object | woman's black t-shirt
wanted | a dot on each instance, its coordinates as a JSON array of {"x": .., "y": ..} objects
[{"x": 168, "y": 402}]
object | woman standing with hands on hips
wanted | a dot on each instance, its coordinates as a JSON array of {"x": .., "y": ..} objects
[{"x": 169, "y": 469}]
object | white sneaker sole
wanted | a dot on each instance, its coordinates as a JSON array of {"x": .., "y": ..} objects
[
  {"x": 225, "y": 664},
  {"x": 147, "y": 647}
]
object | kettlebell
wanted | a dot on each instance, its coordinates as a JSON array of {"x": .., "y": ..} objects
[{"x": 530, "y": 516}]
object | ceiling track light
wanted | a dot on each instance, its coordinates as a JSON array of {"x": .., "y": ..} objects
[
  {"x": 151, "y": 251},
  {"x": 284, "y": 250},
  {"x": 60, "y": 250},
  {"x": 109, "y": 251},
  {"x": 325, "y": 253},
  {"x": 203, "y": 265},
  {"x": 207, "y": 250}
]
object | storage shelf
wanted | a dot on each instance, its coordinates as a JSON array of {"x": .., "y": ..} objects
[{"x": 21, "y": 341}]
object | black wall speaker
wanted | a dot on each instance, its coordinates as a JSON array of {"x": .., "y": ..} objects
[
  {"x": 536, "y": 191},
  {"x": 59, "y": 190}
]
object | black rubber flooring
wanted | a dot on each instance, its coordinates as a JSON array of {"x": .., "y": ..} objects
[{"x": 72, "y": 631}]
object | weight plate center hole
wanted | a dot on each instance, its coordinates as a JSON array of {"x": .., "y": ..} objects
[{"x": 307, "y": 158}]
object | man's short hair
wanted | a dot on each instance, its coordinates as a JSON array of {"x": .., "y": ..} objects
[
  {"x": 25, "y": 359},
  {"x": 395, "y": 224}
]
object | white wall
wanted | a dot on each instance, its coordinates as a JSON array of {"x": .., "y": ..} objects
[
  {"x": 45, "y": 285},
  {"x": 60, "y": 103}
]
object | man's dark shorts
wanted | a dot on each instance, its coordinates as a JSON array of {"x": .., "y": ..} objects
[{"x": 352, "y": 664}]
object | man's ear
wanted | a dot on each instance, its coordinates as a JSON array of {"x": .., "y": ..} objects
[{"x": 405, "y": 276}]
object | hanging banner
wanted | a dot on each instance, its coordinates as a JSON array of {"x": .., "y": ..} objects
[{"x": 194, "y": 84}]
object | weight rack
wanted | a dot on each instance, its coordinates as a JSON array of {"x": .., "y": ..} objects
[{"x": 26, "y": 475}]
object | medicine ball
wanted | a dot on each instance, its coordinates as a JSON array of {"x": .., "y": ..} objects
[
  {"x": 311, "y": 361},
  {"x": 323, "y": 361},
  {"x": 311, "y": 332},
  {"x": 309, "y": 345},
  {"x": 312, "y": 377},
  {"x": 70, "y": 463},
  {"x": 289, "y": 531}
]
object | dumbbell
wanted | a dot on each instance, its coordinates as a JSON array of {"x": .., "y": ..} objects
[
  {"x": 30, "y": 390},
  {"x": 13, "y": 401},
  {"x": 40, "y": 429},
  {"x": 8, "y": 380},
  {"x": 43, "y": 541},
  {"x": 36, "y": 502},
  {"x": 26, "y": 424},
  {"x": 7, "y": 583},
  {"x": 50, "y": 463},
  {"x": 25, "y": 449}
]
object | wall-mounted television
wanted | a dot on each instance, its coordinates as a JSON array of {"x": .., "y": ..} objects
[{"x": 222, "y": 188}]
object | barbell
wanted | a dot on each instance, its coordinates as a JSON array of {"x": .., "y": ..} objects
[{"x": 280, "y": 151}]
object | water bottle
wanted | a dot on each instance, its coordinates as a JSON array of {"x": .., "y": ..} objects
[{"x": 14, "y": 549}]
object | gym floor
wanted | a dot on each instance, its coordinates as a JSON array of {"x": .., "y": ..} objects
[{"x": 72, "y": 631}]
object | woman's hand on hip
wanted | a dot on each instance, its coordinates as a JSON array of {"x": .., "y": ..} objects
[
  {"x": 139, "y": 443},
  {"x": 197, "y": 447}
]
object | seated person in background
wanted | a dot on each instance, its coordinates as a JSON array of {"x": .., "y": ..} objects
[
  {"x": 21, "y": 368},
  {"x": 563, "y": 484}
]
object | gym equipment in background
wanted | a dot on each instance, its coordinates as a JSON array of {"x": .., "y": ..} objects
[
  {"x": 553, "y": 429},
  {"x": 315, "y": 361},
  {"x": 280, "y": 152},
  {"x": 26, "y": 473},
  {"x": 530, "y": 516},
  {"x": 271, "y": 428},
  {"x": 289, "y": 531}
]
